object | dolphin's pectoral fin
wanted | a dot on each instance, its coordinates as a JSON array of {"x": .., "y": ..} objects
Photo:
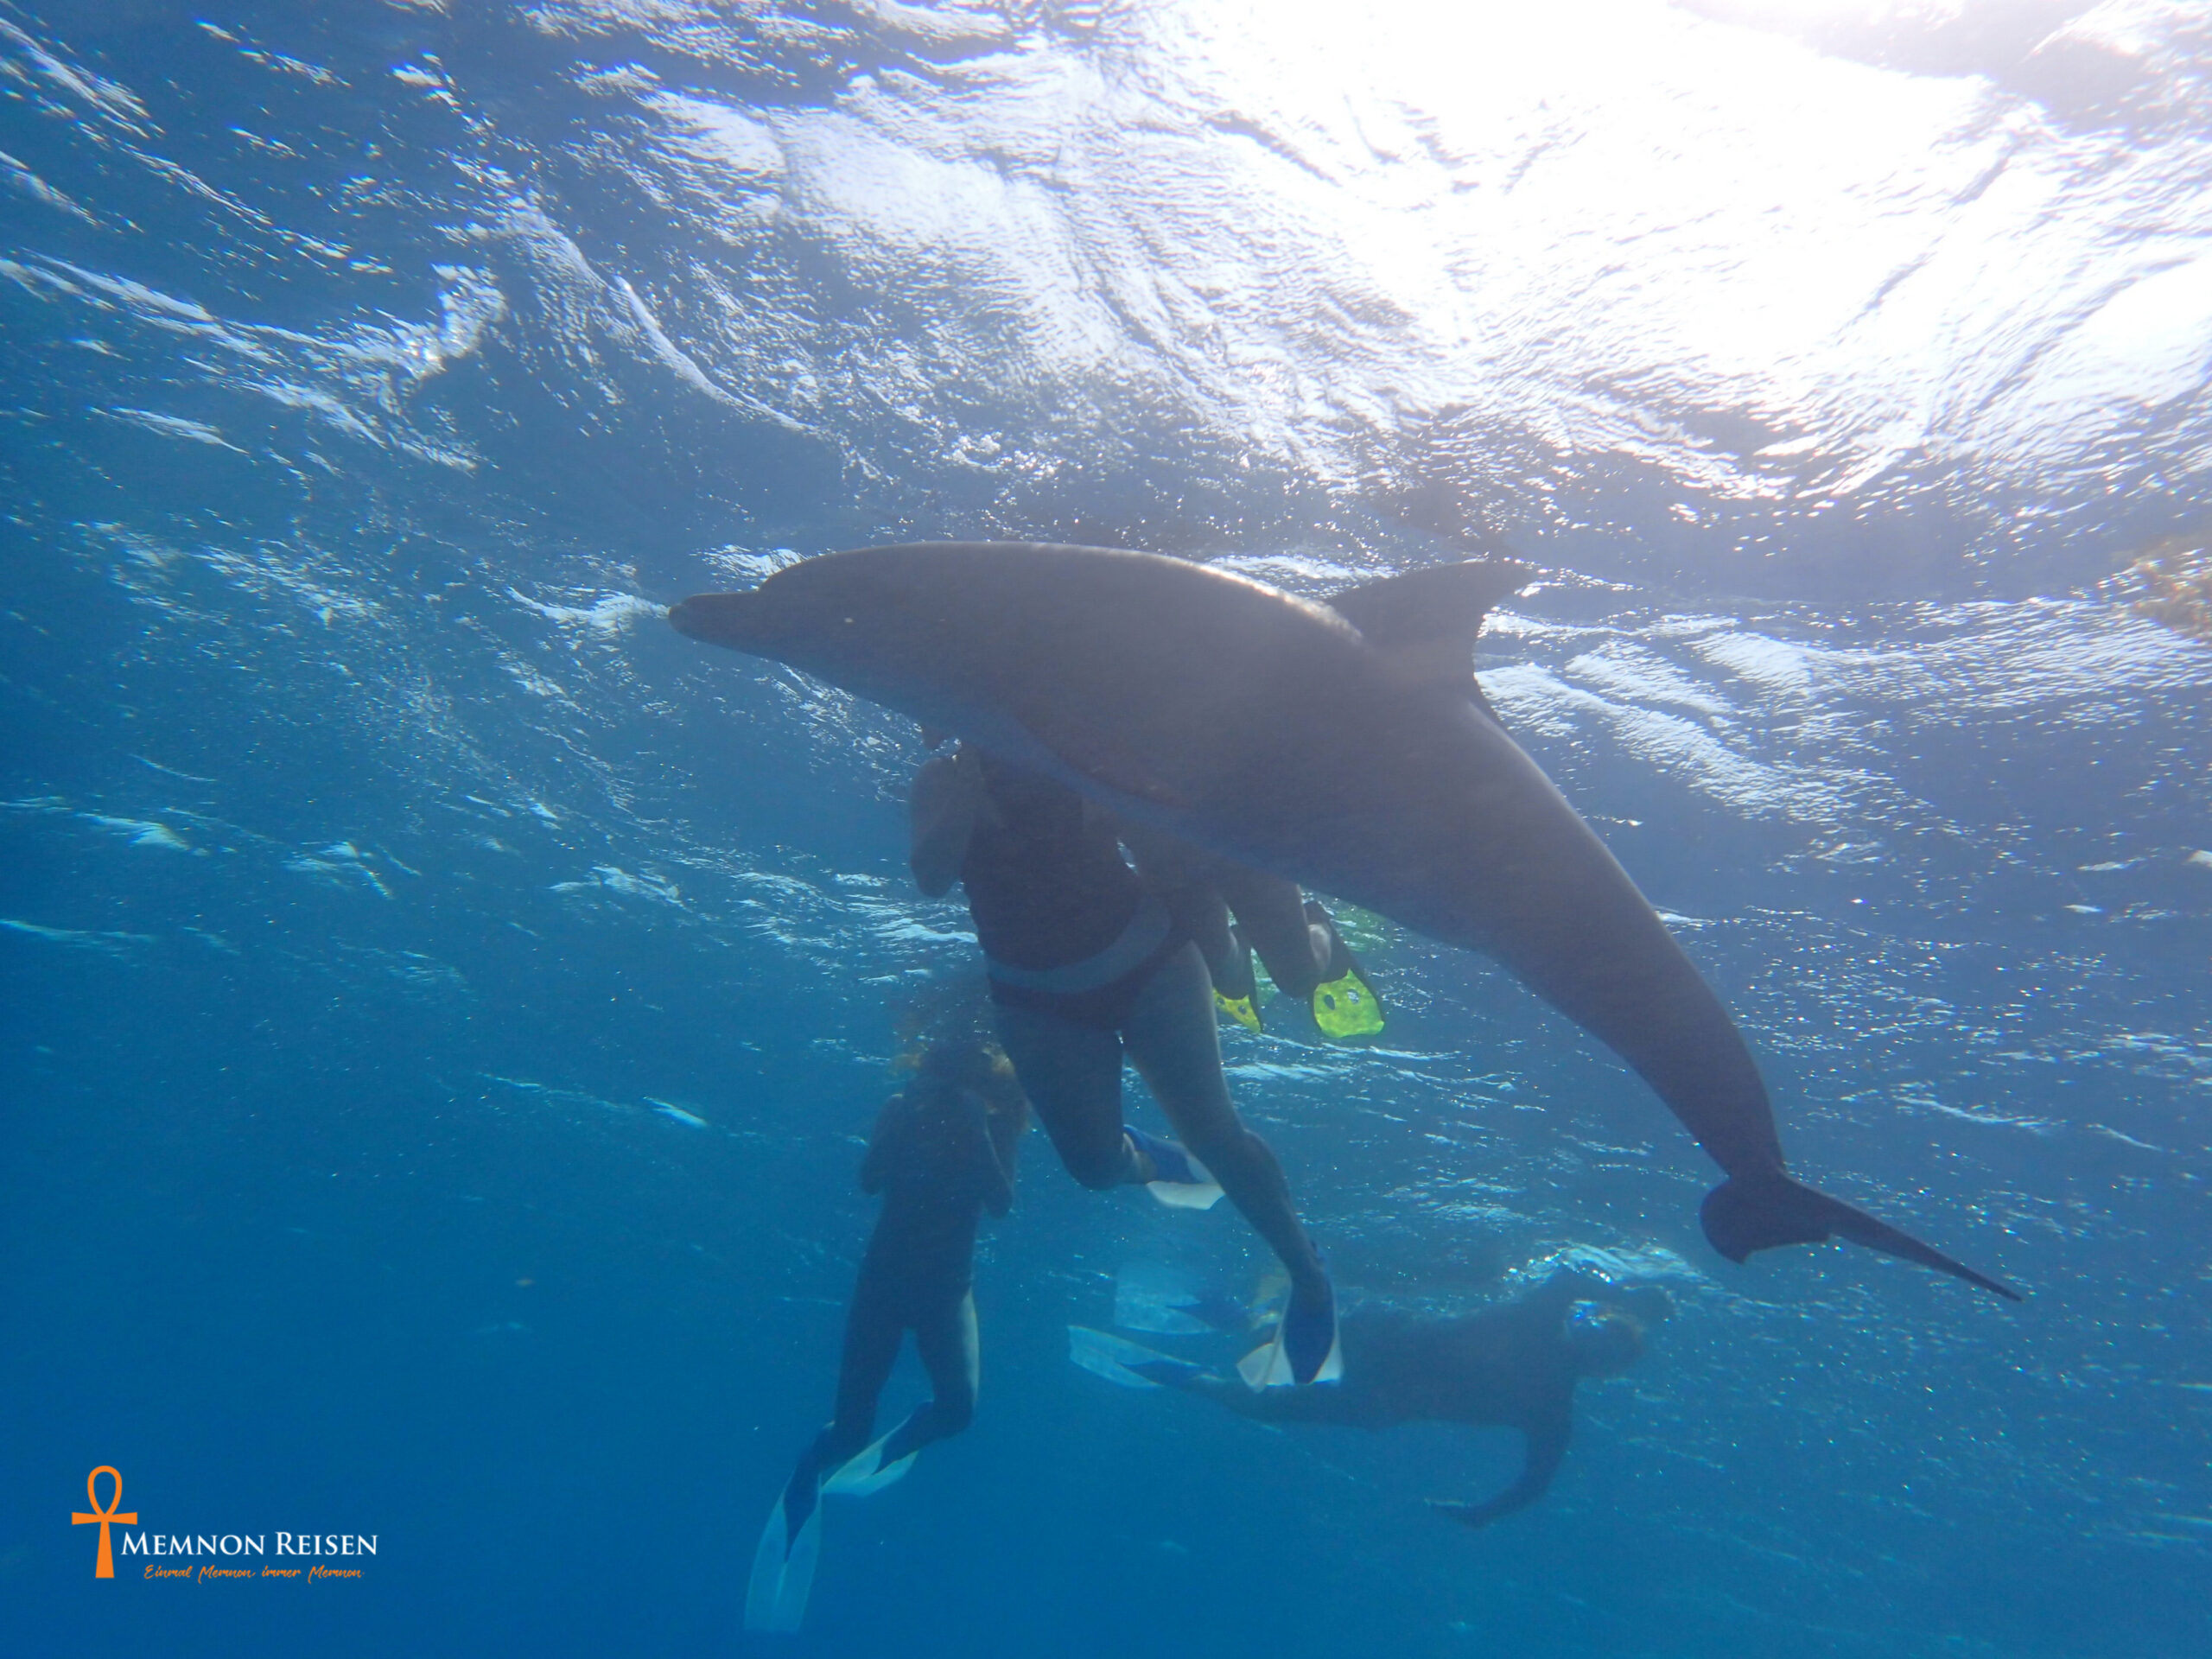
[
  {"x": 1743, "y": 1214},
  {"x": 1106, "y": 757},
  {"x": 1427, "y": 620}
]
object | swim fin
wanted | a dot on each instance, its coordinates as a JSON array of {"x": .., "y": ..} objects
[
  {"x": 1236, "y": 987},
  {"x": 1120, "y": 1361},
  {"x": 1748, "y": 1213},
  {"x": 1269, "y": 1299},
  {"x": 868, "y": 1472},
  {"x": 1238, "y": 1009},
  {"x": 1180, "y": 1181},
  {"x": 1345, "y": 1004},
  {"x": 1347, "y": 1007},
  {"x": 1150, "y": 1297},
  {"x": 782, "y": 1571},
  {"x": 1301, "y": 1343}
]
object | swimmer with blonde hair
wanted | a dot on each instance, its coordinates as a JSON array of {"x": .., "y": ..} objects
[{"x": 943, "y": 1152}]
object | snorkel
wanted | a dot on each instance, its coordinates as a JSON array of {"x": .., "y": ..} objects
[{"x": 1605, "y": 1340}]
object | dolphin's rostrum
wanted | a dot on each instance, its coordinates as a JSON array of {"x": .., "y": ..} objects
[{"x": 1344, "y": 745}]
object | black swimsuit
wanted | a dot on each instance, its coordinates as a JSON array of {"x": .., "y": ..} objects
[{"x": 1067, "y": 928}]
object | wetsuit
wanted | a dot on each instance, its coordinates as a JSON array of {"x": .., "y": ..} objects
[
  {"x": 1087, "y": 968},
  {"x": 940, "y": 1158},
  {"x": 1511, "y": 1366},
  {"x": 1067, "y": 928}
]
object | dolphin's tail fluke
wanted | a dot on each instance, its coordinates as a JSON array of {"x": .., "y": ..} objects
[{"x": 1743, "y": 1214}]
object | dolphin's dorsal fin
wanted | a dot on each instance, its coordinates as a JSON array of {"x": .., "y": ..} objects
[{"x": 1425, "y": 620}]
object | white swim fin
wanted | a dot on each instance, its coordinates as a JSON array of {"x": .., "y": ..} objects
[
  {"x": 782, "y": 1573},
  {"x": 1268, "y": 1366},
  {"x": 1185, "y": 1183},
  {"x": 1270, "y": 1297},
  {"x": 1185, "y": 1195},
  {"x": 1150, "y": 1297},
  {"x": 1104, "y": 1355},
  {"x": 868, "y": 1472}
]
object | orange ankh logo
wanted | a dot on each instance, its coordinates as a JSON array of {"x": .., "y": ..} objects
[{"x": 105, "y": 1516}]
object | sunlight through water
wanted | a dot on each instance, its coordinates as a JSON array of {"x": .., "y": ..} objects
[{"x": 445, "y": 1009}]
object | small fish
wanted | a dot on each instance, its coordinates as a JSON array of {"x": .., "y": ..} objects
[
  {"x": 141, "y": 832},
  {"x": 190, "y": 777}
]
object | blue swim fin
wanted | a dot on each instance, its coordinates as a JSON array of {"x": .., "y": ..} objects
[
  {"x": 1306, "y": 1348},
  {"x": 782, "y": 1571},
  {"x": 1180, "y": 1181}
]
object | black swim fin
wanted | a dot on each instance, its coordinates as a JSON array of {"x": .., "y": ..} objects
[{"x": 1743, "y": 1214}]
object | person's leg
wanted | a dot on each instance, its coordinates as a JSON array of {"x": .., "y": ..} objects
[
  {"x": 1271, "y": 912},
  {"x": 952, "y": 1354},
  {"x": 873, "y": 1331},
  {"x": 1072, "y": 1075},
  {"x": 1174, "y": 1042},
  {"x": 1228, "y": 957}
]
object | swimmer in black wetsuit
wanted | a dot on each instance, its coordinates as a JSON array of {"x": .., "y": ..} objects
[
  {"x": 943, "y": 1152},
  {"x": 1085, "y": 964},
  {"x": 1510, "y": 1366}
]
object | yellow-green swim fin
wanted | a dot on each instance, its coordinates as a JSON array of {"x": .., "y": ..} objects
[{"x": 1347, "y": 1007}]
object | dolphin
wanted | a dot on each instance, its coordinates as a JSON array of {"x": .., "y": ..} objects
[{"x": 1345, "y": 745}]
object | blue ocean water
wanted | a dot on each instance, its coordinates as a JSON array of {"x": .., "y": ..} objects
[{"x": 379, "y": 869}]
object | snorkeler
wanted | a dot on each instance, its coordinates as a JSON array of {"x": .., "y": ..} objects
[
  {"x": 943, "y": 1152},
  {"x": 1514, "y": 1365},
  {"x": 1235, "y": 912},
  {"x": 1085, "y": 964}
]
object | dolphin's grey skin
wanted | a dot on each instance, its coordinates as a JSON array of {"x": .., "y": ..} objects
[{"x": 1343, "y": 746}]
